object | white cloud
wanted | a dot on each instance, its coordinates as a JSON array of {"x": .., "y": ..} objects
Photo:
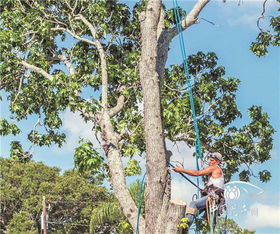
[
  {"x": 246, "y": 19},
  {"x": 182, "y": 153},
  {"x": 75, "y": 128},
  {"x": 265, "y": 216}
]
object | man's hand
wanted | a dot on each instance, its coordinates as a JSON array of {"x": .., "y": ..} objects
[{"x": 178, "y": 168}]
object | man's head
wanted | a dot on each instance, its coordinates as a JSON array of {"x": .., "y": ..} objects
[{"x": 215, "y": 158}]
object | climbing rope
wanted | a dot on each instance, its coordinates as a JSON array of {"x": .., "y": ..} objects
[{"x": 198, "y": 151}]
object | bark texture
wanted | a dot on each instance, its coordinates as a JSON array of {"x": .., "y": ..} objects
[
  {"x": 161, "y": 215},
  {"x": 155, "y": 150},
  {"x": 176, "y": 210},
  {"x": 117, "y": 176}
]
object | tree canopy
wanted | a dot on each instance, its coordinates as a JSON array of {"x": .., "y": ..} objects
[{"x": 70, "y": 198}]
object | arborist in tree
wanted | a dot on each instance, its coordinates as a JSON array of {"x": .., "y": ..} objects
[{"x": 214, "y": 187}]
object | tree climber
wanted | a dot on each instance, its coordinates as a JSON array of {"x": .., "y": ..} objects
[{"x": 214, "y": 187}]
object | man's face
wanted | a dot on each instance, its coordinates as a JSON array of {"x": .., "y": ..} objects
[{"x": 213, "y": 161}]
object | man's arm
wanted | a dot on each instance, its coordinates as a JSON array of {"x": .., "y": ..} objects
[{"x": 202, "y": 172}]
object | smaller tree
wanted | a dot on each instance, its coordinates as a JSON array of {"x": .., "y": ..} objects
[
  {"x": 70, "y": 197},
  {"x": 21, "y": 223}
]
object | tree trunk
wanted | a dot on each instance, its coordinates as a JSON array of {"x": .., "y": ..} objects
[
  {"x": 158, "y": 190},
  {"x": 176, "y": 210},
  {"x": 161, "y": 215},
  {"x": 117, "y": 177}
]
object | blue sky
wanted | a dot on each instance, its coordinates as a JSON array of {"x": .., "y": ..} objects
[{"x": 235, "y": 28}]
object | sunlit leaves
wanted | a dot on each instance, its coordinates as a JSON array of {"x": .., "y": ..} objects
[
  {"x": 87, "y": 159},
  {"x": 132, "y": 168},
  {"x": 46, "y": 139},
  {"x": 17, "y": 152},
  {"x": 6, "y": 128},
  {"x": 216, "y": 109},
  {"x": 268, "y": 37},
  {"x": 264, "y": 175}
]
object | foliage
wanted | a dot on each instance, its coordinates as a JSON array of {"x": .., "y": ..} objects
[
  {"x": 6, "y": 128},
  {"x": 214, "y": 97},
  {"x": 183, "y": 223},
  {"x": 133, "y": 168},
  {"x": 267, "y": 38},
  {"x": 108, "y": 215},
  {"x": 88, "y": 161},
  {"x": 21, "y": 223},
  {"x": 50, "y": 62},
  {"x": 70, "y": 198}
]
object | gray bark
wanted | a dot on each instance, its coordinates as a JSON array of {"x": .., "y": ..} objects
[
  {"x": 117, "y": 176},
  {"x": 161, "y": 216}
]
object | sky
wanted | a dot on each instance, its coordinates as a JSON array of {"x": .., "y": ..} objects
[{"x": 230, "y": 37}]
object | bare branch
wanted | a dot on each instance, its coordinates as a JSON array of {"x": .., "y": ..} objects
[
  {"x": 67, "y": 64},
  {"x": 74, "y": 35},
  {"x": 161, "y": 22},
  {"x": 208, "y": 21},
  {"x": 19, "y": 88},
  {"x": 38, "y": 70},
  {"x": 262, "y": 16},
  {"x": 71, "y": 8},
  {"x": 120, "y": 104},
  {"x": 90, "y": 26},
  {"x": 103, "y": 60},
  {"x": 191, "y": 18}
]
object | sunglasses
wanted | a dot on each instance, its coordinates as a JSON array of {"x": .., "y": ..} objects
[{"x": 212, "y": 156}]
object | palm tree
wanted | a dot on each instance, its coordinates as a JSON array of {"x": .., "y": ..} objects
[{"x": 107, "y": 217}]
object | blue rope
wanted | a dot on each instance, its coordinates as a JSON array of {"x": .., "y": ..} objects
[
  {"x": 140, "y": 196},
  {"x": 198, "y": 151}
]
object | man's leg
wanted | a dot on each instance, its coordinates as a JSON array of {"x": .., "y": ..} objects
[{"x": 194, "y": 206}]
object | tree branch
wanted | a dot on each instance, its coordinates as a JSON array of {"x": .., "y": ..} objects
[
  {"x": 103, "y": 60},
  {"x": 190, "y": 19},
  {"x": 37, "y": 69},
  {"x": 74, "y": 35},
  {"x": 161, "y": 26},
  {"x": 120, "y": 104},
  {"x": 67, "y": 64}
]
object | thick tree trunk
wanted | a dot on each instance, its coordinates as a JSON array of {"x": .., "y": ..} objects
[
  {"x": 176, "y": 210},
  {"x": 157, "y": 173},
  {"x": 161, "y": 216}
]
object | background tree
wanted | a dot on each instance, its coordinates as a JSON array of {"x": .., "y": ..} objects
[
  {"x": 223, "y": 226},
  {"x": 70, "y": 198},
  {"x": 101, "y": 59}
]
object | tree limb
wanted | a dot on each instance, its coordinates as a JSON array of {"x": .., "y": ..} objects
[
  {"x": 38, "y": 70},
  {"x": 120, "y": 104},
  {"x": 103, "y": 60},
  {"x": 74, "y": 35},
  {"x": 190, "y": 19},
  {"x": 67, "y": 64}
]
